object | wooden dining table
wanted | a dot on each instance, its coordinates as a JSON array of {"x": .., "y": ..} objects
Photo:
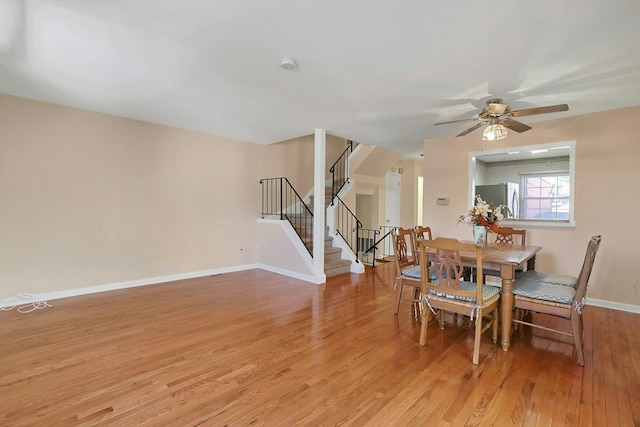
[{"x": 505, "y": 259}]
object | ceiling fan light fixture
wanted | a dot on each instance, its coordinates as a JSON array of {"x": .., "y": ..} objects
[{"x": 494, "y": 132}]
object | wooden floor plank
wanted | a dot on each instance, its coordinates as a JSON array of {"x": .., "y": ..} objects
[
  {"x": 600, "y": 331},
  {"x": 255, "y": 347},
  {"x": 632, "y": 363}
]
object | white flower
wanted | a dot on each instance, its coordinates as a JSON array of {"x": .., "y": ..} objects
[{"x": 482, "y": 213}]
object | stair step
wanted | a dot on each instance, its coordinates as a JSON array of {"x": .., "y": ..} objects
[
  {"x": 333, "y": 264},
  {"x": 332, "y": 254},
  {"x": 337, "y": 267}
]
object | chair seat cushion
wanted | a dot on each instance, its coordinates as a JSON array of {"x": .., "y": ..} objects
[
  {"x": 415, "y": 272},
  {"x": 546, "y": 291},
  {"x": 488, "y": 291},
  {"x": 557, "y": 279}
]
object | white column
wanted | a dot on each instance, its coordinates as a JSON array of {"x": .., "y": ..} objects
[{"x": 319, "y": 157}]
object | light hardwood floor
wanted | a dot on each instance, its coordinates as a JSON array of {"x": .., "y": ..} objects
[{"x": 257, "y": 348}]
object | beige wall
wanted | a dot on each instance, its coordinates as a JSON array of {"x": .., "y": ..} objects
[
  {"x": 375, "y": 187},
  {"x": 295, "y": 156},
  {"x": 90, "y": 199},
  {"x": 365, "y": 211},
  {"x": 607, "y": 198}
]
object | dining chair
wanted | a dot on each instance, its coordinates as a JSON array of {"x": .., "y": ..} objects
[
  {"x": 449, "y": 292},
  {"x": 505, "y": 236},
  {"x": 418, "y": 233},
  {"x": 555, "y": 299},
  {"x": 407, "y": 268}
]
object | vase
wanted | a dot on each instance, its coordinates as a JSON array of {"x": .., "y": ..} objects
[{"x": 479, "y": 234}]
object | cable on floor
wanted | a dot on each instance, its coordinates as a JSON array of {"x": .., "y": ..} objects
[{"x": 25, "y": 303}]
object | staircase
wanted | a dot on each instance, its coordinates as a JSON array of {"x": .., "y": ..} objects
[
  {"x": 280, "y": 199},
  {"x": 333, "y": 262}
]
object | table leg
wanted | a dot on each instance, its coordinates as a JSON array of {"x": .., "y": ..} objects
[
  {"x": 506, "y": 302},
  {"x": 531, "y": 263}
]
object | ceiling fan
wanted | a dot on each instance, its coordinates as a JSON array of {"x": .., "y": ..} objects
[{"x": 499, "y": 116}]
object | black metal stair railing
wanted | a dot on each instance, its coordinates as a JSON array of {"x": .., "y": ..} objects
[
  {"x": 340, "y": 171},
  {"x": 369, "y": 254},
  {"x": 367, "y": 246},
  {"x": 347, "y": 225},
  {"x": 280, "y": 199},
  {"x": 385, "y": 242},
  {"x": 387, "y": 245}
]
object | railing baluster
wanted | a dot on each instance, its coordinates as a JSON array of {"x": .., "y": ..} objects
[
  {"x": 388, "y": 245},
  {"x": 345, "y": 226},
  {"x": 341, "y": 169},
  {"x": 280, "y": 192},
  {"x": 367, "y": 245}
]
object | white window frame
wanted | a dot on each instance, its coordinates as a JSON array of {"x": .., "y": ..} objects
[
  {"x": 524, "y": 197},
  {"x": 519, "y": 223}
]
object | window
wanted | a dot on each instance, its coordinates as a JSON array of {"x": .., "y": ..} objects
[
  {"x": 545, "y": 196},
  {"x": 535, "y": 183}
]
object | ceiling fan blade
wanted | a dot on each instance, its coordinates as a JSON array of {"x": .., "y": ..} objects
[
  {"x": 515, "y": 125},
  {"x": 540, "y": 110},
  {"x": 471, "y": 129},
  {"x": 456, "y": 121}
]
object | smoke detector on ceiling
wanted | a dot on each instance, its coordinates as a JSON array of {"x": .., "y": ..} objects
[{"x": 288, "y": 64}]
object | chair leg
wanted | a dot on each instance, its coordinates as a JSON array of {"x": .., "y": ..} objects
[
  {"x": 576, "y": 327},
  {"x": 517, "y": 314},
  {"x": 399, "y": 292},
  {"x": 476, "y": 341},
  {"x": 440, "y": 317},
  {"x": 417, "y": 302},
  {"x": 495, "y": 325},
  {"x": 425, "y": 323}
]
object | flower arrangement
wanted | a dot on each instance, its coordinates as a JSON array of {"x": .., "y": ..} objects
[{"x": 483, "y": 213}]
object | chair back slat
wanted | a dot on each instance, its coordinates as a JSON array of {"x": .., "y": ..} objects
[
  {"x": 419, "y": 233},
  {"x": 449, "y": 267},
  {"x": 505, "y": 235},
  {"x": 401, "y": 248},
  {"x": 587, "y": 266}
]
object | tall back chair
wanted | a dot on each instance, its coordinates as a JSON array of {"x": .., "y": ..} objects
[
  {"x": 505, "y": 236},
  {"x": 449, "y": 292},
  {"x": 419, "y": 233},
  {"x": 557, "y": 299},
  {"x": 407, "y": 269}
]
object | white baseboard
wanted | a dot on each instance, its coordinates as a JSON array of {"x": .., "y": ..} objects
[
  {"x": 305, "y": 277},
  {"x": 20, "y": 299},
  {"x": 11, "y": 301},
  {"x": 613, "y": 305}
]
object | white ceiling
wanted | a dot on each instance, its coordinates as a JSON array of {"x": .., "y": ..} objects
[{"x": 375, "y": 71}]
